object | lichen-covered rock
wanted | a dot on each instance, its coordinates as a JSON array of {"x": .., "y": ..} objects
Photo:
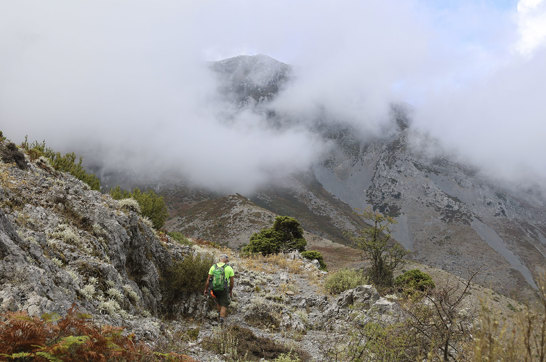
[
  {"x": 62, "y": 244},
  {"x": 363, "y": 296}
]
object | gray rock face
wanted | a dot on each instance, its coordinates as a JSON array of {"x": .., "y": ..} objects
[
  {"x": 62, "y": 244},
  {"x": 448, "y": 215},
  {"x": 364, "y": 296}
]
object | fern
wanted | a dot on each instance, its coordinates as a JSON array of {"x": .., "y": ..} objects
[{"x": 70, "y": 338}]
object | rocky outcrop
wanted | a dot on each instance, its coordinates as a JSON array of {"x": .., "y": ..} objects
[{"x": 62, "y": 244}]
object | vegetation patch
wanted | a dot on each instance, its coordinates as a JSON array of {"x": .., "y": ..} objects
[
  {"x": 414, "y": 281},
  {"x": 68, "y": 162},
  {"x": 378, "y": 247},
  {"x": 186, "y": 276},
  {"x": 314, "y": 255},
  {"x": 151, "y": 205},
  {"x": 344, "y": 279},
  {"x": 71, "y": 338},
  {"x": 272, "y": 263},
  {"x": 239, "y": 343},
  {"x": 285, "y": 235},
  {"x": 263, "y": 314},
  {"x": 180, "y": 238}
]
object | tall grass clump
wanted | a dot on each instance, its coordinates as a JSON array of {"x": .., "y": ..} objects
[
  {"x": 520, "y": 338},
  {"x": 180, "y": 238},
  {"x": 344, "y": 279}
]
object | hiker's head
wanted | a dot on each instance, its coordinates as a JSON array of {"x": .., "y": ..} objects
[{"x": 224, "y": 258}]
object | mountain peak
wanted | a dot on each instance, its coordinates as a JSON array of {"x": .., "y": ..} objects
[{"x": 251, "y": 77}]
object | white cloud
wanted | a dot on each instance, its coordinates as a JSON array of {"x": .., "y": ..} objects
[
  {"x": 531, "y": 18},
  {"x": 125, "y": 80}
]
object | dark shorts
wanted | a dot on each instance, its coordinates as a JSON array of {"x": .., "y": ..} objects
[{"x": 222, "y": 297}]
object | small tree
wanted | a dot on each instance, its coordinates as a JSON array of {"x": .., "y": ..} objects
[
  {"x": 286, "y": 234},
  {"x": 441, "y": 321},
  {"x": 378, "y": 247}
]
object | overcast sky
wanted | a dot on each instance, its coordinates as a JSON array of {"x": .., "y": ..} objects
[{"x": 126, "y": 79}]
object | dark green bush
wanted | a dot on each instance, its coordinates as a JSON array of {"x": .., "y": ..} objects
[
  {"x": 68, "y": 162},
  {"x": 179, "y": 237},
  {"x": 151, "y": 204},
  {"x": 186, "y": 276},
  {"x": 312, "y": 255},
  {"x": 344, "y": 279},
  {"x": 285, "y": 235},
  {"x": 414, "y": 281}
]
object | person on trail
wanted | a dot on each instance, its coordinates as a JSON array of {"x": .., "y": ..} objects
[{"x": 220, "y": 280}]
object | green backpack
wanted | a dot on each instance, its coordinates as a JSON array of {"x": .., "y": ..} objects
[{"x": 219, "y": 281}]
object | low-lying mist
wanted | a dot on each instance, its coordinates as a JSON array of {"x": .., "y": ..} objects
[{"x": 127, "y": 84}]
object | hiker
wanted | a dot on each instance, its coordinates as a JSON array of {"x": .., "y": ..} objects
[{"x": 219, "y": 275}]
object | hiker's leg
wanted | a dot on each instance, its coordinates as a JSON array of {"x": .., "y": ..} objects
[
  {"x": 219, "y": 307},
  {"x": 223, "y": 311}
]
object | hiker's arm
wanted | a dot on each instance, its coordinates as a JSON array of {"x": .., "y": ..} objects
[
  {"x": 207, "y": 284},
  {"x": 231, "y": 283}
]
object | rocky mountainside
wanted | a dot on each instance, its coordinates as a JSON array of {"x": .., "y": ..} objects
[
  {"x": 448, "y": 215},
  {"x": 229, "y": 220},
  {"x": 63, "y": 244}
]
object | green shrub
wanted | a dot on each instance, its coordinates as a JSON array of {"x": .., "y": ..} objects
[
  {"x": 414, "y": 281},
  {"x": 285, "y": 235},
  {"x": 344, "y": 279},
  {"x": 151, "y": 204},
  {"x": 180, "y": 238},
  {"x": 186, "y": 276},
  {"x": 68, "y": 162},
  {"x": 312, "y": 255}
]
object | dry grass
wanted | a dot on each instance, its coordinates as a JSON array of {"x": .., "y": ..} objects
[
  {"x": 520, "y": 338},
  {"x": 336, "y": 256},
  {"x": 272, "y": 263},
  {"x": 287, "y": 287},
  {"x": 6, "y": 180}
]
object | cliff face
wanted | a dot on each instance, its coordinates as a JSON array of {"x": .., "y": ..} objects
[
  {"x": 62, "y": 243},
  {"x": 448, "y": 214}
]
